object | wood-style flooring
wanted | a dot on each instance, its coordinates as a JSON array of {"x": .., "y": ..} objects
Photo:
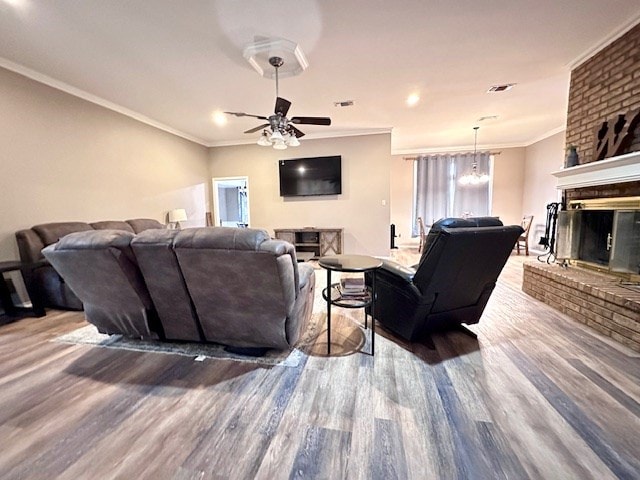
[{"x": 538, "y": 395}]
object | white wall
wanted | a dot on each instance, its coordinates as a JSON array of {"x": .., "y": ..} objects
[
  {"x": 359, "y": 209},
  {"x": 63, "y": 158},
  {"x": 402, "y": 198},
  {"x": 508, "y": 184},
  {"x": 542, "y": 158}
]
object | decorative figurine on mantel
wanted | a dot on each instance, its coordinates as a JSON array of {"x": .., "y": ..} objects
[{"x": 572, "y": 157}]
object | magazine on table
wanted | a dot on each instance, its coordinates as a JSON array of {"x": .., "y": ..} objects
[{"x": 352, "y": 287}]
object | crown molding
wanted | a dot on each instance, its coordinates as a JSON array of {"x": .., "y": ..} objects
[
  {"x": 455, "y": 149},
  {"x": 546, "y": 135},
  {"x": 608, "y": 39},
  {"x": 89, "y": 97},
  {"x": 466, "y": 148}
]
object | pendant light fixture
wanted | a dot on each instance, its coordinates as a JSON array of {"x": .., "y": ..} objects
[{"x": 473, "y": 177}]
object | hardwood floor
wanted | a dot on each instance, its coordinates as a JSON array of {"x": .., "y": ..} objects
[{"x": 538, "y": 395}]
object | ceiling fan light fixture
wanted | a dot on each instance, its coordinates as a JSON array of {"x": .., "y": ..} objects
[
  {"x": 263, "y": 141},
  {"x": 258, "y": 54},
  {"x": 276, "y": 136},
  {"x": 293, "y": 141},
  {"x": 280, "y": 132},
  {"x": 279, "y": 145}
]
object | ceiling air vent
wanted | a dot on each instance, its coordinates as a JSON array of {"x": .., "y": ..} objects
[
  {"x": 488, "y": 117},
  {"x": 343, "y": 103},
  {"x": 500, "y": 88}
]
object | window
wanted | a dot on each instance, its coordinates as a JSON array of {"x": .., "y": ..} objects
[{"x": 438, "y": 192}]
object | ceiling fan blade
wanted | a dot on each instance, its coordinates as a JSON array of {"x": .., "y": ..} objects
[
  {"x": 241, "y": 114},
  {"x": 282, "y": 106},
  {"x": 311, "y": 120},
  {"x": 259, "y": 127},
  {"x": 296, "y": 132}
]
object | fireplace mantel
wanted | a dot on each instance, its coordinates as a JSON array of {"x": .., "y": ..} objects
[{"x": 620, "y": 169}]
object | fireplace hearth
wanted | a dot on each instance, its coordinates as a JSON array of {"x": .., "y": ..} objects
[{"x": 599, "y": 229}]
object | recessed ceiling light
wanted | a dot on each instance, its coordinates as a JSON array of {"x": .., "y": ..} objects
[
  {"x": 501, "y": 88},
  {"x": 219, "y": 118},
  {"x": 413, "y": 99},
  {"x": 16, "y": 3}
]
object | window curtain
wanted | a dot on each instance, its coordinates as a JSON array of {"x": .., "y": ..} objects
[{"x": 438, "y": 193}]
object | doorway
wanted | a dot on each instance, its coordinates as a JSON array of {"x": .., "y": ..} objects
[{"x": 231, "y": 201}]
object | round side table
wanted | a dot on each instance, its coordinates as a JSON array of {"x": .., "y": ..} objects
[{"x": 333, "y": 296}]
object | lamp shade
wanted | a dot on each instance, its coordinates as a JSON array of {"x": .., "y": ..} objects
[
  {"x": 276, "y": 136},
  {"x": 177, "y": 215},
  {"x": 293, "y": 141},
  {"x": 263, "y": 141}
]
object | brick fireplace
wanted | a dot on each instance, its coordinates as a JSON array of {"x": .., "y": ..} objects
[
  {"x": 599, "y": 227},
  {"x": 598, "y": 244},
  {"x": 600, "y": 224}
]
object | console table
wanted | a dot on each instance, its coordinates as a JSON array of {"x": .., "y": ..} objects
[{"x": 319, "y": 241}]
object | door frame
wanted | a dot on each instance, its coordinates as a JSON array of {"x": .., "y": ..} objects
[{"x": 221, "y": 180}]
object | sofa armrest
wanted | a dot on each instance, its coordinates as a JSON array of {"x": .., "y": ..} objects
[
  {"x": 305, "y": 272},
  {"x": 397, "y": 270},
  {"x": 29, "y": 246}
]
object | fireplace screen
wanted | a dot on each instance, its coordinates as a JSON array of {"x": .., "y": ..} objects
[
  {"x": 596, "y": 236},
  {"x": 606, "y": 238},
  {"x": 625, "y": 252}
]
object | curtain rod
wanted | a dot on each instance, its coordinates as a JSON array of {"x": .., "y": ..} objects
[{"x": 446, "y": 153}]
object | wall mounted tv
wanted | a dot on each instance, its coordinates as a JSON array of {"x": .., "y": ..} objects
[{"x": 311, "y": 176}]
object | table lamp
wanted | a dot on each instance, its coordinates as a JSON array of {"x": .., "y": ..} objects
[{"x": 176, "y": 216}]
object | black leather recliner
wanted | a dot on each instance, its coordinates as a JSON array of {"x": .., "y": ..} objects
[{"x": 451, "y": 285}]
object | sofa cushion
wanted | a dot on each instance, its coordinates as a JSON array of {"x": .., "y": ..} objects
[
  {"x": 225, "y": 238},
  {"x": 52, "y": 232},
  {"x": 141, "y": 224},
  {"x": 243, "y": 285},
  {"x": 100, "y": 268},
  {"x": 157, "y": 261},
  {"x": 96, "y": 240},
  {"x": 112, "y": 225}
]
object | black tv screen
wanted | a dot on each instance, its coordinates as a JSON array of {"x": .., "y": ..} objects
[{"x": 311, "y": 176}]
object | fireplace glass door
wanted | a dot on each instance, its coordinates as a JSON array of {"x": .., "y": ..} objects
[
  {"x": 625, "y": 252},
  {"x": 596, "y": 236},
  {"x": 607, "y": 238}
]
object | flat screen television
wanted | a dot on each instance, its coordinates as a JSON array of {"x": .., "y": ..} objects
[{"x": 311, "y": 176}]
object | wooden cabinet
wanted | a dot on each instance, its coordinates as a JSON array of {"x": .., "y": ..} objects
[{"x": 319, "y": 241}]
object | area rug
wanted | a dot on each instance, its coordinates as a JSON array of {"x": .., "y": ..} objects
[{"x": 89, "y": 335}]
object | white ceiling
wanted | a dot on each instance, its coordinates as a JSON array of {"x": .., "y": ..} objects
[{"x": 176, "y": 63}]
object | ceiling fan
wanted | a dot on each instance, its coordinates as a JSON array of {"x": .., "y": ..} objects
[{"x": 282, "y": 131}]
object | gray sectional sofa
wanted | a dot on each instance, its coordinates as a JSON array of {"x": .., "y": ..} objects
[
  {"x": 46, "y": 285},
  {"x": 233, "y": 286}
]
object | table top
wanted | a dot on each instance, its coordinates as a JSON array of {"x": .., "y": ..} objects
[{"x": 350, "y": 263}]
